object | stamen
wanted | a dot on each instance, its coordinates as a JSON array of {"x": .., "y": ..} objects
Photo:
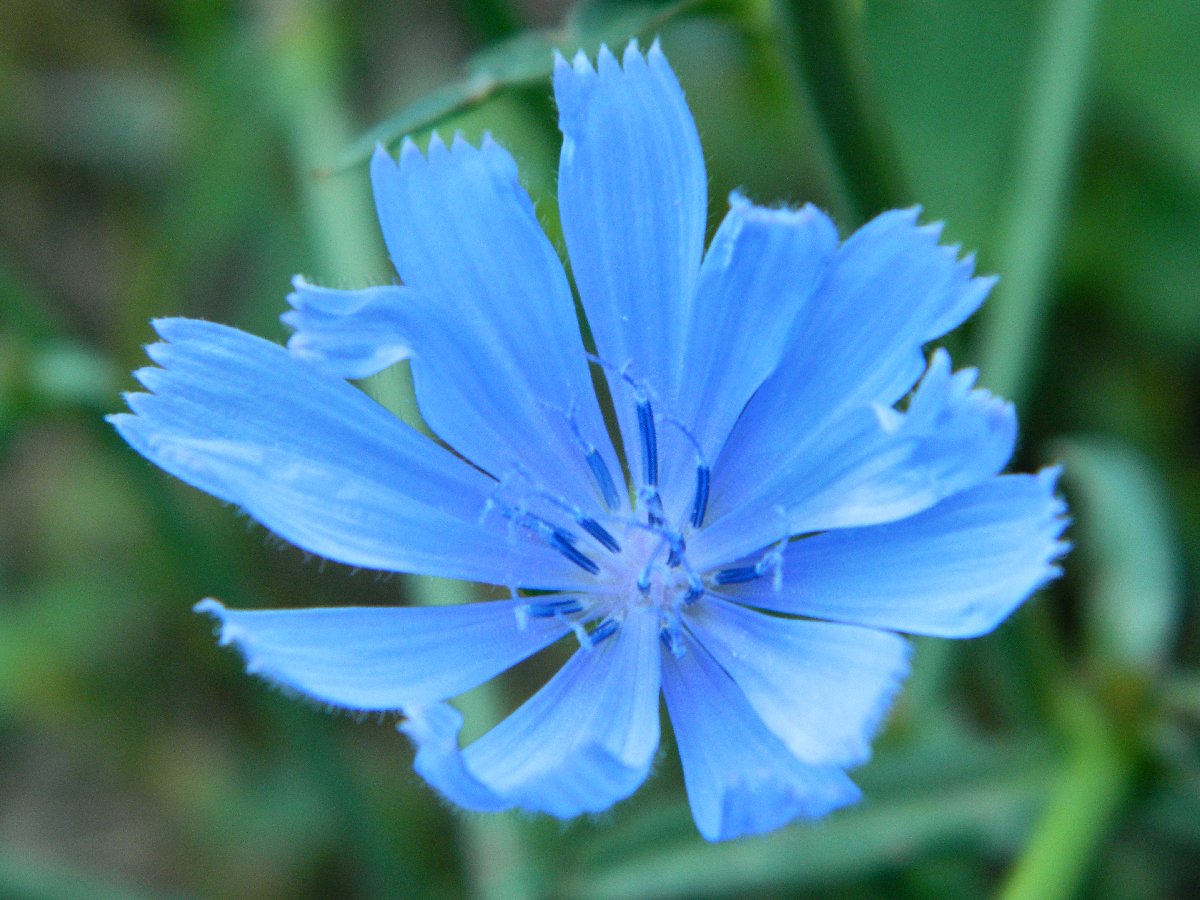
[
  {"x": 655, "y": 517},
  {"x": 564, "y": 543},
  {"x": 670, "y": 639},
  {"x": 600, "y": 472},
  {"x": 596, "y": 530},
  {"x": 737, "y": 574},
  {"x": 675, "y": 556},
  {"x": 580, "y": 633},
  {"x": 645, "y": 415},
  {"x": 703, "y": 472},
  {"x": 700, "y": 499},
  {"x": 519, "y": 609},
  {"x": 771, "y": 561},
  {"x": 606, "y": 628},
  {"x": 548, "y": 609},
  {"x": 561, "y": 540},
  {"x": 608, "y": 488},
  {"x": 590, "y": 525}
]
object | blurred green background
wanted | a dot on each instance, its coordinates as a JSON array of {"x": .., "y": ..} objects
[{"x": 161, "y": 158}]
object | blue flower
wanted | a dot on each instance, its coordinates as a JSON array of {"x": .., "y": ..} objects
[{"x": 798, "y": 483}]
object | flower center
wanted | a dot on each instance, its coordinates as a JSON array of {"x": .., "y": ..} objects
[
  {"x": 639, "y": 559},
  {"x": 653, "y": 571}
]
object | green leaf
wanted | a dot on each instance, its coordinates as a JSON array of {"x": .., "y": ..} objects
[
  {"x": 836, "y": 78},
  {"x": 519, "y": 61},
  {"x": 1128, "y": 553},
  {"x": 1143, "y": 177},
  {"x": 951, "y": 121},
  {"x": 1032, "y": 215}
]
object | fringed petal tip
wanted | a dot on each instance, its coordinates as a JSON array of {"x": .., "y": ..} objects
[
  {"x": 788, "y": 216},
  {"x": 947, "y": 398},
  {"x": 1055, "y": 520},
  {"x": 948, "y": 275},
  {"x": 230, "y": 635},
  {"x": 410, "y": 154},
  {"x": 633, "y": 62},
  {"x": 755, "y": 807},
  {"x": 305, "y": 296},
  {"x": 347, "y": 334},
  {"x": 172, "y": 328},
  {"x": 381, "y": 156},
  {"x": 215, "y": 608}
]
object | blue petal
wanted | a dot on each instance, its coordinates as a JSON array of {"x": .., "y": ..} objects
[
  {"x": 822, "y": 688},
  {"x": 320, "y": 464},
  {"x": 580, "y": 744},
  {"x": 633, "y": 200},
  {"x": 757, "y": 278},
  {"x": 890, "y": 289},
  {"x": 877, "y": 466},
  {"x": 347, "y": 334},
  {"x": 383, "y": 658},
  {"x": 497, "y": 357},
  {"x": 479, "y": 398},
  {"x": 956, "y": 570},
  {"x": 741, "y": 779}
]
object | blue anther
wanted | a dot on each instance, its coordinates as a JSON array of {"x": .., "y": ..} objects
[
  {"x": 607, "y": 628},
  {"x": 600, "y": 472},
  {"x": 596, "y": 530},
  {"x": 545, "y": 609},
  {"x": 649, "y": 443},
  {"x": 564, "y": 543},
  {"x": 670, "y": 639},
  {"x": 675, "y": 556},
  {"x": 694, "y": 593},
  {"x": 643, "y": 582},
  {"x": 737, "y": 575},
  {"x": 700, "y": 499},
  {"x": 655, "y": 517}
]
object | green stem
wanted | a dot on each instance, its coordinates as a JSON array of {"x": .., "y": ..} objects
[
  {"x": 1096, "y": 775},
  {"x": 303, "y": 74},
  {"x": 306, "y": 75},
  {"x": 1031, "y": 220},
  {"x": 834, "y": 75},
  {"x": 1081, "y": 810}
]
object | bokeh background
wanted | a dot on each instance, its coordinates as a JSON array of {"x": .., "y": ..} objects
[{"x": 177, "y": 157}]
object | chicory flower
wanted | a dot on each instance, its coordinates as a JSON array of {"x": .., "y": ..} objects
[{"x": 799, "y": 485}]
